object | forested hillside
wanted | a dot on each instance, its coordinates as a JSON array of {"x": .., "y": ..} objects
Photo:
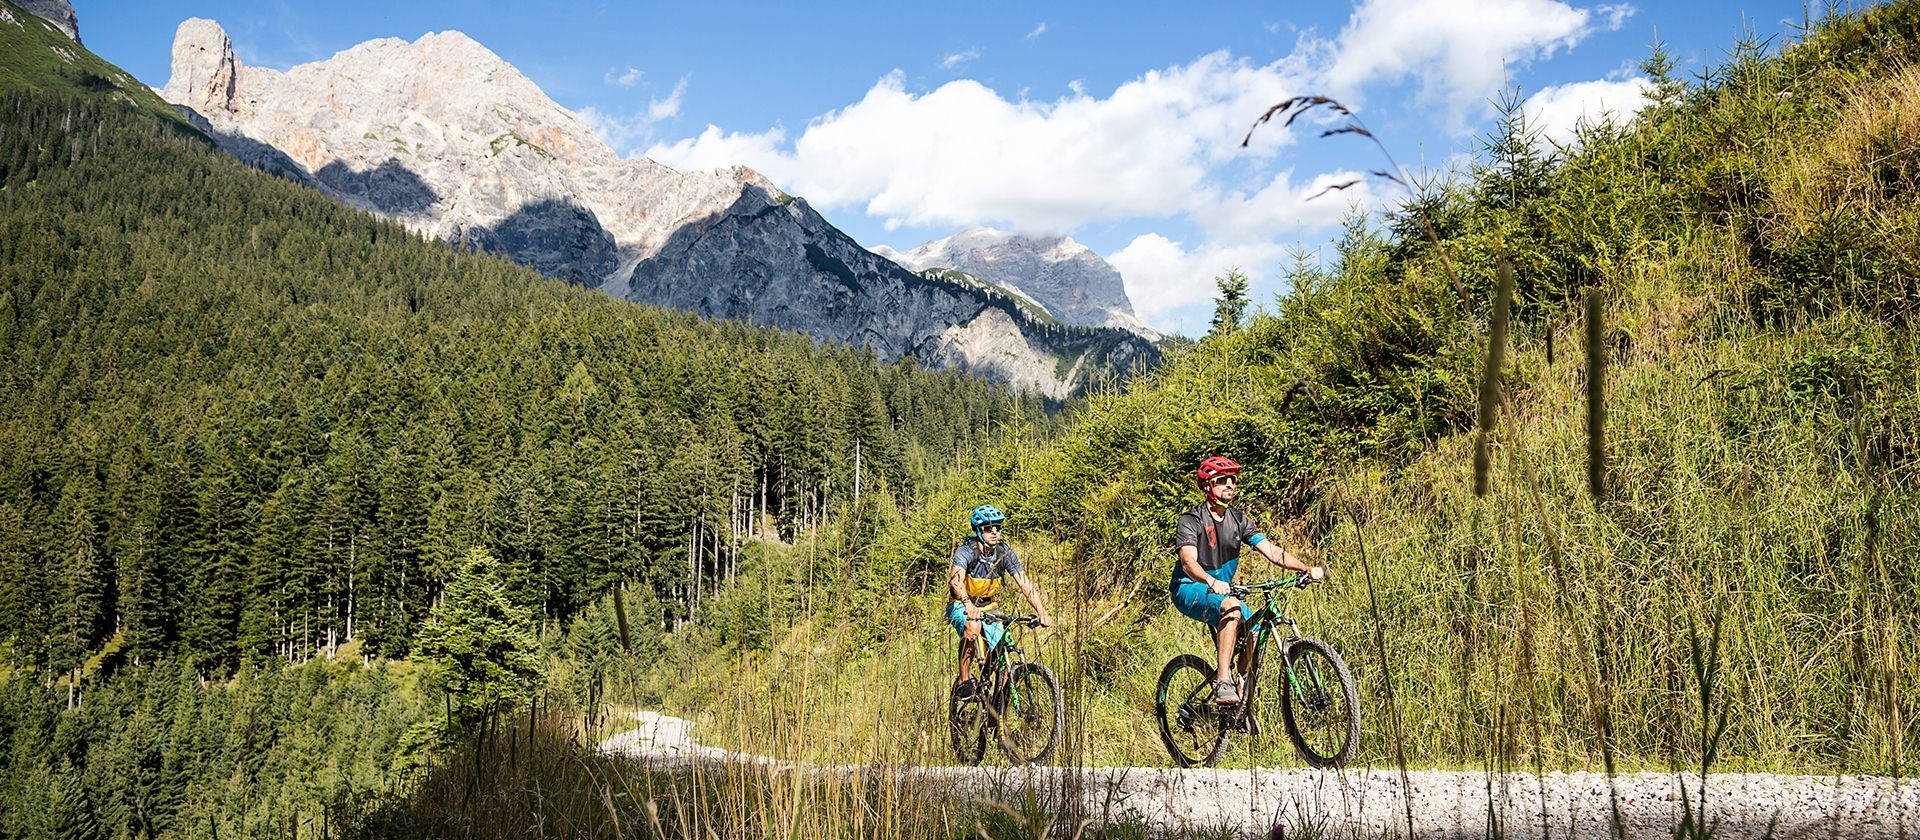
[
  {"x": 240, "y": 423},
  {"x": 243, "y": 421},
  {"x": 244, "y": 428}
]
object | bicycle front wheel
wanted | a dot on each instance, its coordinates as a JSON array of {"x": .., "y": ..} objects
[
  {"x": 1319, "y": 703},
  {"x": 1032, "y": 714},
  {"x": 1190, "y": 722},
  {"x": 967, "y": 727}
]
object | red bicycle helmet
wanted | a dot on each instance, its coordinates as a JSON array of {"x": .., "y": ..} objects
[{"x": 1213, "y": 468}]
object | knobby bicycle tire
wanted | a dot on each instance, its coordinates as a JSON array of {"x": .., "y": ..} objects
[
  {"x": 1032, "y": 714},
  {"x": 967, "y": 727},
  {"x": 1190, "y": 722},
  {"x": 1319, "y": 703}
]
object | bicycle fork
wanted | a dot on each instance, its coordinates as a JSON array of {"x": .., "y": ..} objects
[{"x": 1312, "y": 693}]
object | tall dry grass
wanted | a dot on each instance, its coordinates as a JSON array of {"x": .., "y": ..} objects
[{"x": 1688, "y": 540}]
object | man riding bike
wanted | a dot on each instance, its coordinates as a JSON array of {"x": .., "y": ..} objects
[
  {"x": 979, "y": 565},
  {"x": 1208, "y": 540}
]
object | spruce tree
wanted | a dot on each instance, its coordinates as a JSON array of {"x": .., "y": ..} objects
[
  {"x": 481, "y": 645},
  {"x": 1231, "y": 307}
]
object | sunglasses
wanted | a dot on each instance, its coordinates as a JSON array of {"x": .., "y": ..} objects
[
  {"x": 1222, "y": 480},
  {"x": 986, "y": 528}
]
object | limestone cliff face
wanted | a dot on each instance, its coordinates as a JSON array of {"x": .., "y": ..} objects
[
  {"x": 450, "y": 140},
  {"x": 57, "y": 12},
  {"x": 1069, "y": 279}
]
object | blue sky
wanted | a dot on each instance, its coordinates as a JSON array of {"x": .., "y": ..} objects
[{"x": 1118, "y": 123}]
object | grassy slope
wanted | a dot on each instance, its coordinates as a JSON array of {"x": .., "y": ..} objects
[
  {"x": 35, "y": 56},
  {"x": 1756, "y": 240}
]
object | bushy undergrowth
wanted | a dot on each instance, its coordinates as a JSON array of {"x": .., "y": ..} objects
[
  {"x": 1753, "y": 238},
  {"x": 1738, "y": 595}
]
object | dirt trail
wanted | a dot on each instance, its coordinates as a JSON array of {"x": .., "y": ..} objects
[{"x": 1368, "y": 802}]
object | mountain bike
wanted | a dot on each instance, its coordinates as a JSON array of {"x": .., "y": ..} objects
[
  {"x": 1317, "y": 704},
  {"x": 1017, "y": 699}
]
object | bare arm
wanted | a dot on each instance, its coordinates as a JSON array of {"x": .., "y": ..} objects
[
  {"x": 1190, "y": 563},
  {"x": 1033, "y": 597},
  {"x": 1271, "y": 549},
  {"x": 957, "y": 582}
]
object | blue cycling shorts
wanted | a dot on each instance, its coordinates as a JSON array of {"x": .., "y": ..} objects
[
  {"x": 1195, "y": 601},
  {"x": 992, "y": 631}
]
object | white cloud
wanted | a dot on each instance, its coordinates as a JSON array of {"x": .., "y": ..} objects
[
  {"x": 1283, "y": 208},
  {"x": 1458, "y": 51},
  {"x": 962, "y": 154},
  {"x": 1616, "y": 14},
  {"x": 959, "y": 61},
  {"x": 660, "y": 109},
  {"x": 1163, "y": 152},
  {"x": 1037, "y": 31},
  {"x": 627, "y": 79},
  {"x": 1164, "y": 146},
  {"x": 1557, "y": 112},
  {"x": 627, "y": 133},
  {"x": 715, "y": 148},
  {"x": 1173, "y": 288}
]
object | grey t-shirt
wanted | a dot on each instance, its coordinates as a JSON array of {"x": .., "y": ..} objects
[{"x": 1216, "y": 543}]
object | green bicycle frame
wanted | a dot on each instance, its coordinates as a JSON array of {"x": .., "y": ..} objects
[
  {"x": 996, "y": 666},
  {"x": 1264, "y": 619}
]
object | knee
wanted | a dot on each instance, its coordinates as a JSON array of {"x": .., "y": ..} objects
[{"x": 971, "y": 632}]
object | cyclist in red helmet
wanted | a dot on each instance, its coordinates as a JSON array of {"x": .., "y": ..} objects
[
  {"x": 1208, "y": 541},
  {"x": 979, "y": 564}
]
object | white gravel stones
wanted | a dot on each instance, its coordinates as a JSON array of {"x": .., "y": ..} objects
[{"x": 1372, "y": 802}]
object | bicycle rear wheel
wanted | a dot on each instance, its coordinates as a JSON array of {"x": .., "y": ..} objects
[
  {"x": 1190, "y": 722},
  {"x": 967, "y": 727},
  {"x": 1320, "y": 704},
  {"x": 1032, "y": 714}
]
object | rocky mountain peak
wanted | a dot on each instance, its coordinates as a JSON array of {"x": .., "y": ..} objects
[
  {"x": 204, "y": 69},
  {"x": 1068, "y": 278},
  {"x": 57, "y": 12},
  {"x": 444, "y": 136}
]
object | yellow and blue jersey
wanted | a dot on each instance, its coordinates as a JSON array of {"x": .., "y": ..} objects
[{"x": 985, "y": 569}]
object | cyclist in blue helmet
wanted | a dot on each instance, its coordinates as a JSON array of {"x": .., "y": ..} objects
[{"x": 979, "y": 565}]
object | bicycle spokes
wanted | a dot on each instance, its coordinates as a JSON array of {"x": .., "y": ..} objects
[
  {"x": 1323, "y": 717},
  {"x": 967, "y": 728},
  {"x": 1031, "y": 717},
  {"x": 1191, "y": 724},
  {"x": 1307, "y": 684}
]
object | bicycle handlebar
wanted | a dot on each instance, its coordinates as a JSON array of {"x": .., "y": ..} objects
[
  {"x": 997, "y": 617},
  {"x": 1299, "y": 580}
]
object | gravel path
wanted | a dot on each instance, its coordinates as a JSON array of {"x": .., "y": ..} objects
[{"x": 1370, "y": 803}]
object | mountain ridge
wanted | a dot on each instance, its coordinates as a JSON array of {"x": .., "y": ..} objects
[
  {"x": 452, "y": 141},
  {"x": 1072, "y": 282}
]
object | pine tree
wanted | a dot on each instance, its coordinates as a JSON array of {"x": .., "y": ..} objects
[{"x": 1231, "y": 307}]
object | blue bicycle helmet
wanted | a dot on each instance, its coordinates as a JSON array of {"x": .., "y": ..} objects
[{"x": 986, "y": 515}]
